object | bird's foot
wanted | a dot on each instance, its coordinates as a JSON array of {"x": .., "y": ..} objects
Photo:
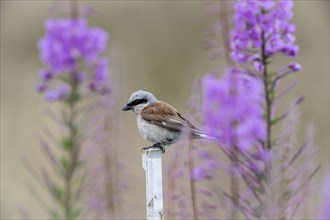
[{"x": 155, "y": 146}]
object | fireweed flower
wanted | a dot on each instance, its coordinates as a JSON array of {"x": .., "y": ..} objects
[
  {"x": 233, "y": 112},
  {"x": 69, "y": 47},
  {"x": 239, "y": 110},
  {"x": 233, "y": 109},
  {"x": 262, "y": 27},
  {"x": 261, "y": 30},
  {"x": 74, "y": 68}
]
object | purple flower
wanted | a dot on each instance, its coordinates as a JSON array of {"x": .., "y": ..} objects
[
  {"x": 264, "y": 155},
  {"x": 45, "y": 75},
  {"x": 199, "y": 173},
  {"x": 295, "y": 67},
  {"x": 71, "y": 51},
  {"x": 67, "y": 41},
  {"x": 51, "y": 95},
  {"x": 233, "y": 109},
  {"x": 259, "y": 24},
  {"x": 61, "y": 93},
  {"x": 40, "y": 87},
  {"x": 255, "y": 167}
]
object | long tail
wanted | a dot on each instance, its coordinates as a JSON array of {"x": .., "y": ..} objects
[{"x": 197, "y": 134}]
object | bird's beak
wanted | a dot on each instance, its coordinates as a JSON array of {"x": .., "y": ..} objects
[{"x": 127, "y": 108}]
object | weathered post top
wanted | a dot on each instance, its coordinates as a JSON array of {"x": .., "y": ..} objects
[{"x": 152, "y": 164}]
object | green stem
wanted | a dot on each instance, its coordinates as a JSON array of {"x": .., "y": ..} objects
[
  {"x": 267, "y": 91},
  {"x": 72, "y": 151}
]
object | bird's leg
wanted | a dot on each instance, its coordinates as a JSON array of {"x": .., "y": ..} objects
[{"x": 159, "y": 146}]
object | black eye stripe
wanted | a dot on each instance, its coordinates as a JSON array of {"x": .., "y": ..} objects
[{"x": 137, "y": 102}]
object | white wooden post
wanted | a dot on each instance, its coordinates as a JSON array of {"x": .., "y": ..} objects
[{"x": 152, "y": 164}]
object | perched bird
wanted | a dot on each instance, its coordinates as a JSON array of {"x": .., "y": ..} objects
[{"x": 160, "y": 123}]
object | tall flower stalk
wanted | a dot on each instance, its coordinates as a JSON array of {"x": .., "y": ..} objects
[
  {"x": 262, "y": 29},
  {"x": 236, "y": 119},
  {"x": 75, "y": 72},
  {"x": 239, "y": 109}
]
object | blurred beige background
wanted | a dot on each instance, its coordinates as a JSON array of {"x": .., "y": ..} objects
[{"x": 155, "y": 46}]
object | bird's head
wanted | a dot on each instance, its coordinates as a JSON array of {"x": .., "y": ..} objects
[{"x": 139, "y": 100}]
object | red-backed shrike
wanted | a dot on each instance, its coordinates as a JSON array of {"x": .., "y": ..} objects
[{"x": 160, "y": 123}]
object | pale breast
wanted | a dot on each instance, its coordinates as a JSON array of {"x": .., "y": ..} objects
[{"x": 155, "y": 134}]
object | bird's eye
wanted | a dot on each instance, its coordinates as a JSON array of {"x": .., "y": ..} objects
[
  {"x": 138, "y": 101},
  {"x": 143, "y": 100}
]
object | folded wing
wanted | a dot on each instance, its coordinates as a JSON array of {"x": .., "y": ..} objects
[{"x": 164, "y": 115}]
